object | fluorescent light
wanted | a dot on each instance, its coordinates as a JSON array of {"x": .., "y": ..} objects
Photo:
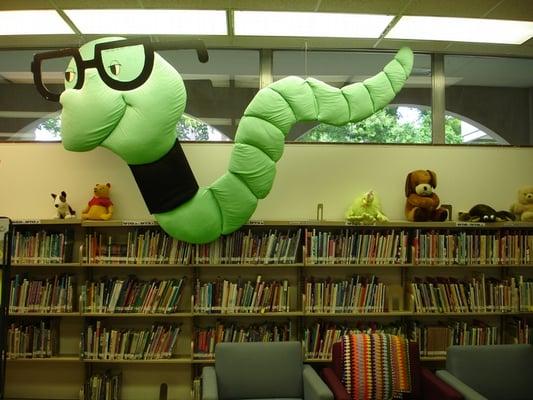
[
  {"x": 33, "y": 22},
  {"x": 157, "y": 22},
  {"x": 309, "y": 24},
  {"x": 462, "y": 30}
]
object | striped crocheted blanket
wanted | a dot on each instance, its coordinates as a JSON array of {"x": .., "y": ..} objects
[{"x": 375, "y": 366}]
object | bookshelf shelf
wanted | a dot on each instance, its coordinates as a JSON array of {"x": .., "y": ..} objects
[
  {"x": 136, "y": 266},
  {"x": 138, "y": 315},
  {"x": 365, "y": 314},
  {"x": 180, "y": 360},
  {"x": 50, "y": 314},
  {"x": 48, "y": 265},
  {"x": 317, "y": 360},
  {"x": 251, "y": 266},
  {"x": 385, "y": 259},
  {"x": 255, "y": 314},
  {"x": 58, "y": 221},
  {"x": 433, "y": 358},
  {"x": 58, "y": 359},
  {"x": 467, "y": 314}
]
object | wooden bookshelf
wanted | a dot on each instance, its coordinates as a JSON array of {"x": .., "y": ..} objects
[{"x": 395, "y": 268}]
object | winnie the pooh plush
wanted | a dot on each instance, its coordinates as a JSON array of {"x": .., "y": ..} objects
[
  {"x": 100, "y": 206},
  {"x": 366, "y": 209},
  {"x": 422, "y": 202},
  {"x": 523, "y": 209}
]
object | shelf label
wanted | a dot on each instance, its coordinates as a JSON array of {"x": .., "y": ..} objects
[
  {"x": 465, "y": 223},
  {"x": 26, "y": 221},
  {"x": 256, "y": 222},
  {"x": 139, "y": 223}
]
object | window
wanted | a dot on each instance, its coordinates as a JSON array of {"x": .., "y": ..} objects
[
  {"x": 188, "y": 128},
  {"x": 217, "y": 94},
  {"x": 408, "y": 121},
  {"x": 492, "y": 98}
]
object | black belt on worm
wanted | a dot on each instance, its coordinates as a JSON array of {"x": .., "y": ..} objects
[{"x": 166, "y": 183}]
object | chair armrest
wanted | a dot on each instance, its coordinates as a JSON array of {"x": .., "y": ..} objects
[
  {"x": 433, "y": 388},
  {"x": 209, "y": 384},
  {"x": 467, "y": 392},
  {"x": 314, "y": 387},
  {"x": 335, "y": 385}
]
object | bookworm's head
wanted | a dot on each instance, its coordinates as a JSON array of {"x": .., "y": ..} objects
[{"x": 117, "y": 93}]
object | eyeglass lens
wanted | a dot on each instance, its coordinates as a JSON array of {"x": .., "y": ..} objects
[{"x": 59, "y": 74}]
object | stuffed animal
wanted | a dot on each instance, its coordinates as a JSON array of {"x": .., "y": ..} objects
[
  {"x": 422, "y": 202},
  {"x": 485, "y": 213},
  {"x": 523, "y": 209},
  {"x": 366, "y": 209},
  {"x": 100, "y": 207},
  {"x": 63, "y": 209}
]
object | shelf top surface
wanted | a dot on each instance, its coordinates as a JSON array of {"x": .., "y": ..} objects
[{"x": 288, "y": 223}]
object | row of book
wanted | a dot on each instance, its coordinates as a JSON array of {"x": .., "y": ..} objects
[
  {"x": 478, "y": 248},
  {"x": 518, "y": 331},
  {"x": 102, "y": 386},
  {"x": 141, "y": 247},
  {"x": 346, "y": 246},
  {"x": 47, "y": 295},
  {"x": 275, "y": 246},
  {"x": 40, "y": 247},
  {"x": 479, "y": 294},
  {"x": 30, "y": 341},
  {"x": 224, "y": 296},
  {"x": 318, "y": 339},
  {"x": 156, "y": 247},
  {"x": 40, "y": 341},
  {"x": 435, "y": 340},
  {"x": 102, "y": 343},
  {"x": 359, "y": 294},
  {"x": 131, "y": 296},
  {"x": 205, "y": 339},
  {"x": 356, "y": 247}
]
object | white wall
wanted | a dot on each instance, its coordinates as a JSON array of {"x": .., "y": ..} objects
[{"x": 307, "y": 175}]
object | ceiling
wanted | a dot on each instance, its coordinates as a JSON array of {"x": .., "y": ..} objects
[{"x": 491, "y": 9}]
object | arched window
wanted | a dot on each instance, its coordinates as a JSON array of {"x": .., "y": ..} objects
[
  {"x": 188, "y": 128},
  {"x": 402, "y": 124}
]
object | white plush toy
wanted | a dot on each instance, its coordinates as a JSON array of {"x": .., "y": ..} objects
[
  {"x": 366, "y": 209},
  {"x": 63, "y": 209}
]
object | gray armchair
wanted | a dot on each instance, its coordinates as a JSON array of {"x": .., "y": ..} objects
[
  {"x": 500, "y": 372},
  {"x": 273, "y": 370}
]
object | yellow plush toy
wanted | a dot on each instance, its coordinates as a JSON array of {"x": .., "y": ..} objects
[
  {"x": 366, "y": 209},
  {"x": 524, "y": 208},
  {"x": 100, "y": 207}
]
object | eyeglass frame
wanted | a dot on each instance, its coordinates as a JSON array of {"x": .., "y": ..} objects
[{"x": 97, "y": 62}]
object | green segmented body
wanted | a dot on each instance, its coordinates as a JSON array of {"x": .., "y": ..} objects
[
  {"x": 259, "y": 144},
  {"x": 139, "y": 126}
]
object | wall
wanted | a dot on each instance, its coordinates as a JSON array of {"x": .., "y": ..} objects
[{"x": 306, "y": 175}]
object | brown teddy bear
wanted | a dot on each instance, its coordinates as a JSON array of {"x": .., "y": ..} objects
[
  {"x": 524, "y": 208},
  {"x": 422, "y": 203},
  {"x": 100, "y": 206}
]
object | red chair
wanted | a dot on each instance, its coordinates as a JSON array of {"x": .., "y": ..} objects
[{"x": 424, "y": 384}]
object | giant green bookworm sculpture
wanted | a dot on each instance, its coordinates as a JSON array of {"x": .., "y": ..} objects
[{"x": 123, "y": 96}]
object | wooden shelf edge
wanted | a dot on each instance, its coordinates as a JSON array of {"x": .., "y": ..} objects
[
  {"x": 159, "y": 361},
  {"x": 49, "y": 359}
]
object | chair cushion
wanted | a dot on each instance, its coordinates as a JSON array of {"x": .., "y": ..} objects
[
  {"x": 259, "y": 370},
  {"x": 496, "y": 371}
]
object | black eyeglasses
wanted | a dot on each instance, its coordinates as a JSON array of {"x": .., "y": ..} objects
[{"x": 107, "y": 61}]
